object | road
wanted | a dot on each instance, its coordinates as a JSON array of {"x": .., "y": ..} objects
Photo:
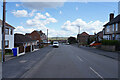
[
  {"x": 68, "y": 62},
  {"x": 71, "y": 62}
]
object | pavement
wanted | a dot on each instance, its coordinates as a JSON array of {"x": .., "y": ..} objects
[
  {"x": 64, "y": 62},
  {"x": 113, "y": 55},
  {"x": 16, "y": 67},
  {"x": 0, "y": 70}
]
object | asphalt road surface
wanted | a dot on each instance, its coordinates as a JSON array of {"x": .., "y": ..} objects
[{"x": 72, "y": 62}]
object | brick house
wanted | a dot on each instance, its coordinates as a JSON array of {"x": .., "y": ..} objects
[
  {"x": 82, "y": 38},
  {"x": 9, "y": 36},
  {"x": 22, "y": 40},
  {"x": 37, "y": 35},
  {"x": 99, "y": 36},
  {"x": 112, "y": 28}
]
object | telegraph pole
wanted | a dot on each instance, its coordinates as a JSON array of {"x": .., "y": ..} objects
[
  {"x": 78, "y": 35},
  {"x": 78, "y": 29},
  {"x": 47, "y": 36},
  {"x": 3, "y": 31}
]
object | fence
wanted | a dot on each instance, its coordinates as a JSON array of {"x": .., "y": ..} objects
[{"x": 24, "y": 49}]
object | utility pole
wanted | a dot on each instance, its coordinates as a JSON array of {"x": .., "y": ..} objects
[
  {"x": 78, "y": 29},
  {"x": 3, "y": 31},
  {"x": 78, "y": 35},
  {"x": 47, "y": 36}
]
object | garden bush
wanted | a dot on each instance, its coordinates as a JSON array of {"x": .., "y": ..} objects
[{"x": 111, "y": 42}]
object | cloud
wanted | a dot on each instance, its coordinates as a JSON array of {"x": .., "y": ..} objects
[
  {"x": 42, "y": 5},
  {"x": 22, "y": 30},
  {"x": 47, "y": 14},
  {"x": 23, "y": 13},
  {"x": 89, "y": 27},
  {"x": 20, "y": 13},
  {"x": 41, "y": 20},
  {"x": 32, "y": 13},
  {"x": 76, "y": 8},
  {"x": 40, "y": 16},
  {"x": 17, "y": 5},
  {"x": 60, "y": 12}
]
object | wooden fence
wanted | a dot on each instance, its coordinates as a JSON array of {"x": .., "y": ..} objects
[{"x": 21, "y": 49}]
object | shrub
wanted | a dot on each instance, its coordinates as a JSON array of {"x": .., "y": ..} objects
[{"x": 110, "y": 42}]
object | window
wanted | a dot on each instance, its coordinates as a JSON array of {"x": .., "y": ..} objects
[
  {"x": 113, "y": 28},
  {"x": 7, "y": 31},
  {"x": 108, "y": 29},
  {"x": 116, "y": 26},
  {"x": 11, "y": 32},
  {"x": 6, "y": 44},
  {"x": 113, "y": 37}
]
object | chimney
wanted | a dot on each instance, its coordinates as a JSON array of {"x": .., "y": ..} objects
[{"x": 111, "y": 16}]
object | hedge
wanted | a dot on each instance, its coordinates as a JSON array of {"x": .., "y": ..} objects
[{"x": 111, "y": 42}]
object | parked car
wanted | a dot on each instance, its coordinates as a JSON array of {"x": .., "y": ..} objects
[
  {"x": 55, "y": 44},
  {"x": 94, "y": 44},
  {"x": 67, "y": 43}
]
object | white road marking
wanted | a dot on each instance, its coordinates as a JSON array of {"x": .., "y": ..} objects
[
  {"x": 79, "y": 58},
  {"x": 96, "y": 73},
  {"x": 23, "y": 61}
]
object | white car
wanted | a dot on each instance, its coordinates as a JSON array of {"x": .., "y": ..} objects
[{"x": 55, "y": 44}]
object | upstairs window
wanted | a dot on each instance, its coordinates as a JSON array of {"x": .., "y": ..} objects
[
  {"x": 116, "y": 26},
  {"x": 113, "y": 28},
  {"x": 11, "y": 32},
  {"x": 7, "y": 31},
  {"x": 108, "y": 28}
]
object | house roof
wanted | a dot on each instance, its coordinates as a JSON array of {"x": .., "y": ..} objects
[
  {"x": 20, "y": 38},
  {"x": 7, "y": 24},
  {"x": 85, "y": 34},
  {"x": 115, "y": 20}
]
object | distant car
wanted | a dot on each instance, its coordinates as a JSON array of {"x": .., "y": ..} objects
[
  {"x": 67, "y": 43},
  {"x": 55, "y": 44}
]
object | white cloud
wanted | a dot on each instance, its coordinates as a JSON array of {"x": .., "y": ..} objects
[
  {"x": 90, "y": 27},
  {"x": 47, "y": 14},
  {"x": 42, "y": 5},
  {"x": 76, "y": 8},
  {"x": 41, "y": 20},
  {"x": 23, "y": 13},
  {"x": 20, "y": 13},
  {"x": 17, "y": 5},
  {"x": 60, "y": 12},
  {"x": 22, "y": 30},
  {"x": 53, "y": 20},
  {"x": 40, "y": 16},
  {"x": 32, "y": 13}
]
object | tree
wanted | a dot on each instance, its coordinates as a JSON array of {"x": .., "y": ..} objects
[{"x": 72, "y": 40}]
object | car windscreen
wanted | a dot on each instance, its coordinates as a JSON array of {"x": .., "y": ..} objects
[{"x": 55, "y": 43}]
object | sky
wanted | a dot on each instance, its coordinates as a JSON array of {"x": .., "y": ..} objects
[{"x": 60, "y": 18}]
